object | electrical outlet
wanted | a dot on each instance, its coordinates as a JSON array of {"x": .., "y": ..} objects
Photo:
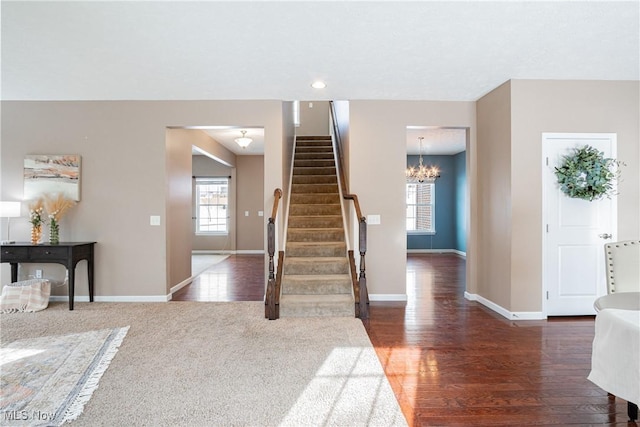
[{"x": 38, "y": 274}]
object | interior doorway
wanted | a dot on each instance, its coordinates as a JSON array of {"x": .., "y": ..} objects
[
  {"x": 217, "y": 197},
  {"x": 437, "y": 212},
  {"x": 437, "y": 206}
]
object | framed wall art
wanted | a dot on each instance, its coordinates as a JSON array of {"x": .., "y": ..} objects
[{"x": 47, "y": 174}]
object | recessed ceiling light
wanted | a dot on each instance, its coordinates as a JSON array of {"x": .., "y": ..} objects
[{"x": 318, "y": 84}]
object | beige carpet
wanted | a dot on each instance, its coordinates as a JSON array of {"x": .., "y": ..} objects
[{"x": 223, "y": 364}]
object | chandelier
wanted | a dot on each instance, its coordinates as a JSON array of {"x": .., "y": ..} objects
[{"x": 422, "y": 173}]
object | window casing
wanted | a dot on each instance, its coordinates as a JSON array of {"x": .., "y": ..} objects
[
  {"x": 212, "y": 206},
  {"x": 420, "y": 217}
]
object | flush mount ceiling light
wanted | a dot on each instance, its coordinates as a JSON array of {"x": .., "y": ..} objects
[
  {"x": 244, "y": 140},
  {"x": 318, "y": 84}
]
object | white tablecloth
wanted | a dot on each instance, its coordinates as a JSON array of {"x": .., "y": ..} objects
[{"x": 615, "y": 361}]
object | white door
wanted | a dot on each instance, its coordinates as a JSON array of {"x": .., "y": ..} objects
[{"x": 574, "y": 231}]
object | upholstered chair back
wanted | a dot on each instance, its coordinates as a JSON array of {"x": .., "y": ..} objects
[{"x": 623, "y": 266}]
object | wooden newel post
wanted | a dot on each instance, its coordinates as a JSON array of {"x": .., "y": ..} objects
[
  {"x": 270, "y": 300},
  {"x": 364, "y": 294}
]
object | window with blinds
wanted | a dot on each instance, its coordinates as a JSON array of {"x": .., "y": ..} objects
[
  {"x": 212, "y": 205},
  {"x": 421, "y": 207}
]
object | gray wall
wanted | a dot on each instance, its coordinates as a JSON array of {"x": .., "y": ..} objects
[
  {"x": 314, "y": 118},
  {"x": 131, "y": 169},
  {"x": 250, "y": 196},
  {"x": 511, "y": 120},
  {"x": 564, "y": 106},
  {"x": 377, "y": 162},
  {"x": 494, "y": 196}
]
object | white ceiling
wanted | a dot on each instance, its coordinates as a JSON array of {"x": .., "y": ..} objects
[
  {"x": 415, "y": 50},
  {"x": 226, "y": 136},
  {"x": 437, "y": 141}
]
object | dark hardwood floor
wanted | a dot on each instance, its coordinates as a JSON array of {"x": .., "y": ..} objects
[
  {"x": 237, "y": 278},
  {"x": 454, "y": 362}
]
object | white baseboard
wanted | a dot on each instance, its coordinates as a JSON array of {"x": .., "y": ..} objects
[
  {"x": 124, "y": 298},
  {"x": 212, "y": 252},
  {"x": 181, "y": 285},
  {"x": 515, "y": 315},
  {"x": 437, "y": 251},
  {"x": 387, "y": 297},
  {"x": 237, "y": 252},
  {"x": 165, "y": 298}
]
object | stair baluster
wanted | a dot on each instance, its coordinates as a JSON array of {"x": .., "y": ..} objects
[
  {"x": 362, "y": 280},
  {"x": 272, "y": 294}
]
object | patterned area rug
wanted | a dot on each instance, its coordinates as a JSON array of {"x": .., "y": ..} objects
[{"x": 48, "y": 380}]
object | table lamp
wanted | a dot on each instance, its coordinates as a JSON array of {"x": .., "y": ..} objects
[{"x": 9, "y": 210}]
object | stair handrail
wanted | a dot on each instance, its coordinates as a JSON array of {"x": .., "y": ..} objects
[
  {"x": 272, "y": 297},
  {"x": 360, "y": 291}
]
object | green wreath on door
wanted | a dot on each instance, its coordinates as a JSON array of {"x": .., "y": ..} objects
[{"x": 587, "y": 174}]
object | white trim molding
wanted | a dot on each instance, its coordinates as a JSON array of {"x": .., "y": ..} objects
[
  {"x": 114, "y": 298},
  {"x": 387, "y": 297},
  {"x": 181, "y": 285},
  {"x": 437, "y": 251},
  {"x": 224, "y": 252},
  {"x": 212, "y": 252},
  {"x": 511, "y": 315}
]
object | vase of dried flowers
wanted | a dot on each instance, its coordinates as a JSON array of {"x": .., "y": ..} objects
[
  {"x": 54, "y": 231},
  {"x": 36, "y": 218},
  {"x": 36, "y": 234},
  {"x": 56, "y": 205}
]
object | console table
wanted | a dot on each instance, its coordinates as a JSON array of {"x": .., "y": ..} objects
[{"x": 65, "y": 253}]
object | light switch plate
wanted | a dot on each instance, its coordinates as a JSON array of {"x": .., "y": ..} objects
[
  {"x": 246, "y": 213},
  {"x": 154, "y": 220},
  {"x": 260, "y": 213}
]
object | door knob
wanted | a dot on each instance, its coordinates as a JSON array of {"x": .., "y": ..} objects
[{"x": 605, "y": 236}]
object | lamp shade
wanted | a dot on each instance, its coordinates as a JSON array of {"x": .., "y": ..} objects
[{"x": 9, "y": 209}]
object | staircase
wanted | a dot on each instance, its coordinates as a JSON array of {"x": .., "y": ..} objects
[{"x": 316, "y": 278}]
